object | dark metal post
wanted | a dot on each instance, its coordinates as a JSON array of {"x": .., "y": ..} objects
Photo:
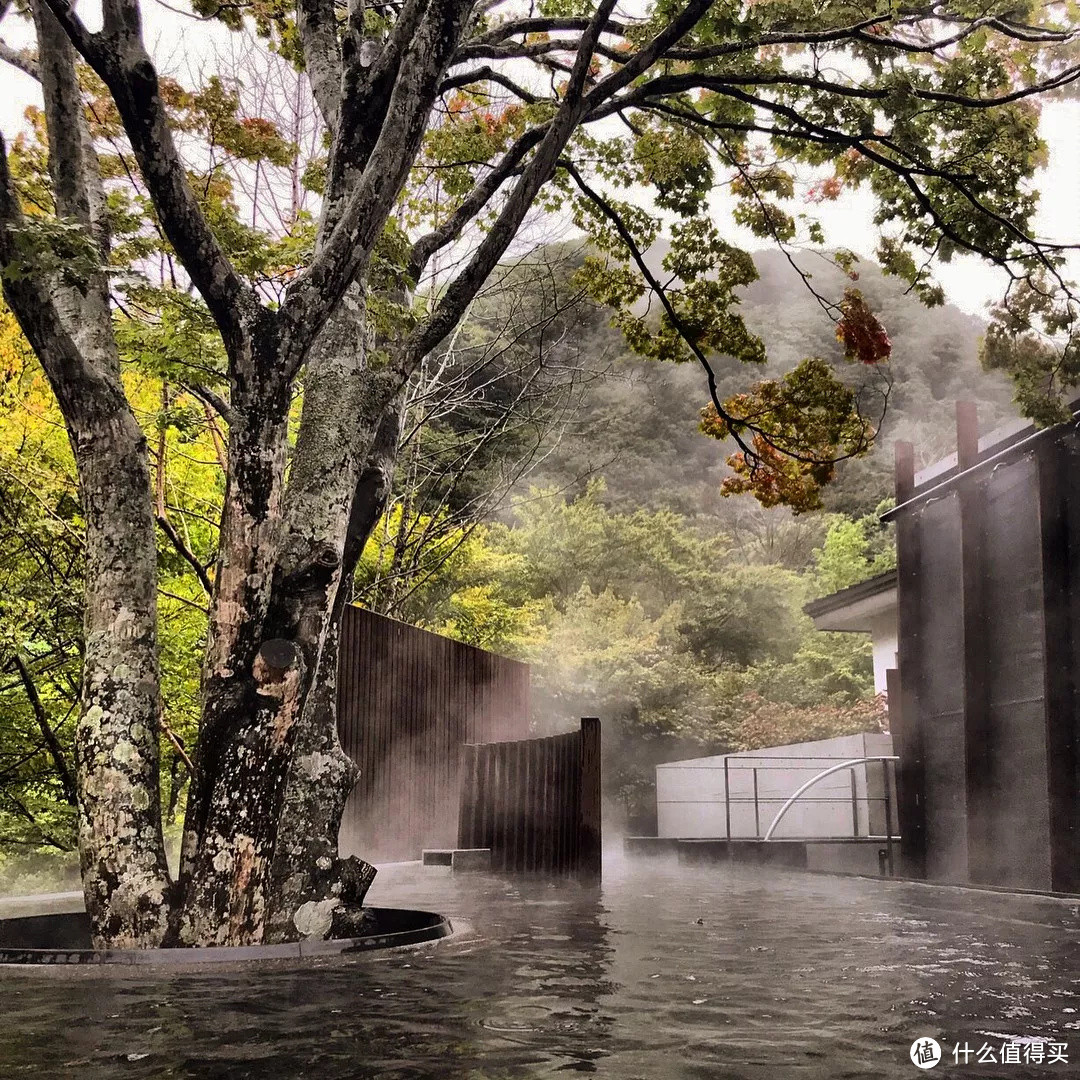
[
  {"x": 590, "y": 844},
  {"x": 1058, "y": 516},
  {"x": 727, "y": 801},
  {"x": 888, "y": 818},
  {"x": 854, "y": 805},
  {"x": 905, "y": 700},
  {"x": 467, "y": 810},
  {"x": 976, "y": 681},
  {"x": 757, "y": 811}
]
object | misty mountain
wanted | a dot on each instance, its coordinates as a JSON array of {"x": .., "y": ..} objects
[{"x": 638, "y": 427}]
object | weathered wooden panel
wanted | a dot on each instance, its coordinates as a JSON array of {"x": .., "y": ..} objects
[
  {"x": 903, "y": 695},
  {"x": 1018, "y": 808},
  {"x": 941, "y": 687},
  {"x": 535, "y": 802},
  {"x": 1060, "y": 512},
  {"x": 408, "y": 702}
]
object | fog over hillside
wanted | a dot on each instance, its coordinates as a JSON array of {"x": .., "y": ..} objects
[{"x": 639, "y": 428}]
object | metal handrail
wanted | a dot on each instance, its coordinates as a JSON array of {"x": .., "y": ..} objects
[
  {"x": 738, "y": 762},
  {"x": 717, "y": 799},
  {"x": 821, "y": 776}
]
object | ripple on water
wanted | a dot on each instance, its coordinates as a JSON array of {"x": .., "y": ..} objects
[{"x": 666, "y": 972}]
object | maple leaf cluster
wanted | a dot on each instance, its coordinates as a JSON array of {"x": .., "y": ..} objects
[
  {"x": 860, "y": 331},
  {"x": 793, "y": 431}
]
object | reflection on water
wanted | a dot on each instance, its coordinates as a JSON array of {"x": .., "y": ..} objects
[{"x": 664, "y": 972}]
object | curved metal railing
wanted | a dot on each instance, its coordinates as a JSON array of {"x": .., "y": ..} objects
[{"x": 821, "y": 776}]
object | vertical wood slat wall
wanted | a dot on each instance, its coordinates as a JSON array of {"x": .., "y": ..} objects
[
  {"x": 535, "y": 802},
  {"x": 408, "y": 700}
]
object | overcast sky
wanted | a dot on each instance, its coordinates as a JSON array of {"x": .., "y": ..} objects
[{"x": 969, "y": 283}]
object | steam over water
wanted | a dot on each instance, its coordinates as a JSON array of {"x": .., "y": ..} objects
[{"x": 665, "y": 972}]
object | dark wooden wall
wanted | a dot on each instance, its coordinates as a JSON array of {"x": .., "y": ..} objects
[
  {"x": 535, "y": 802},
  {"x": 1015, "y": 839},
  {"x": 942, "y": 689},
  {"x": 408, "y": 701},
  {"x": 989, "y": 621}
]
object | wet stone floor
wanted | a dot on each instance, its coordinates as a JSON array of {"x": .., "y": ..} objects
[{"x": 665, "y": 972}]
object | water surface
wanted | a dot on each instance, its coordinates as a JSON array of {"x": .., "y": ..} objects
[{"x": 665, "y": 972}]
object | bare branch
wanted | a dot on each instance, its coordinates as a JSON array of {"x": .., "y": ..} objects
[
  {"x": 488, "y": 74},
  {"x": 119, "y": 57},
  {"x": 317, "y": 26},
  {"x": 22, "y": 59},
  {"x": 211, "y": 398},
  {"x": 56, "y": 751},
  {"x": 474, "y": 202},
  {"x": 186, "y": 553}
]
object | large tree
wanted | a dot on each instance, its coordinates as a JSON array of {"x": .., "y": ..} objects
[{"x": 449, "y": 124}]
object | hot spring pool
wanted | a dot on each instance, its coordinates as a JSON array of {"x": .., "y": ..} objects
[{"x": 664, "y": 972}]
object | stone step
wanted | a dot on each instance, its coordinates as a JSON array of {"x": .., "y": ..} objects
[{"x": 458, "y": 858}]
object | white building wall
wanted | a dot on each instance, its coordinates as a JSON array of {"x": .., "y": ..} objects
[
  {"x": 884, "y": 640},
  {"x": 690, "y": 800}
]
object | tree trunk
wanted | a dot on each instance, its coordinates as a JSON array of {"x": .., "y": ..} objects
[
  {"x": 251, "y": 686},
  {"x": 312, "y": 887},
  {"x": 122, "y": 853},
  {"x": 257, "y": 691},
  {"x": 121, "y": 850}
]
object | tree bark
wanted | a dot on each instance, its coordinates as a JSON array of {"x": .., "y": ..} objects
[
  {"x": 254, "y": 709},
  {"x": 252, "y": 682},
  {"x": 314, "y": 892},
  {"x": 122, "y": 853}
]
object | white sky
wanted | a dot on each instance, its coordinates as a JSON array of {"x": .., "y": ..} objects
[{"x": 969, "y": 283}]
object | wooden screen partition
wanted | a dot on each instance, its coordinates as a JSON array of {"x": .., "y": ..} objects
[
  {"x": 408, "y": 701},
  {"x": 535, "y": 802}
]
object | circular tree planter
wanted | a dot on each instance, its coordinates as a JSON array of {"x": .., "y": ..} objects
[{"x": 65, "y": 939}]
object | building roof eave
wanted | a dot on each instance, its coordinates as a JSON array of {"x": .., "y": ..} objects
[{"x": 854, "y": 608}]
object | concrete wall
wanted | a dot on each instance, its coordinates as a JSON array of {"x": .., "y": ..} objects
[{"x": 690, "y": 794}]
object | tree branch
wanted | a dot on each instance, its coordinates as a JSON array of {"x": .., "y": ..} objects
[
  {"x": 22, "y": 59},
  {"x": 81, "y": 390},
  {"x": 474, "y": 202},
  {"x": 316, "y": 24},
  {"x": 211, "y": 398},
  {"x": 46, "y": 838},
  {"x": 576, "y": 104},
  {"x": 56, "y": 752},
  {"x": 488, "y": 74},
  {"x": 667, "y": 85},
  {"x": 319, "y": 289},
  {"x": 188, "y": 555},
  {"x": 78, "y": 192},
  {"x": 544, "y": 26},
  {"x": 119, "y": 57},
  {"x": 734, "y": 423}
]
